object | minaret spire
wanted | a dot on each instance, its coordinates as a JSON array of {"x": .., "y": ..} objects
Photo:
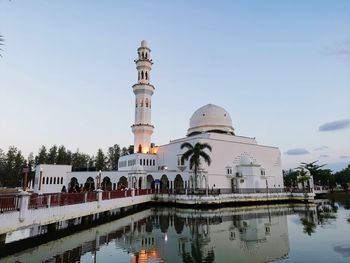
[{"x": 143, "y": 90}]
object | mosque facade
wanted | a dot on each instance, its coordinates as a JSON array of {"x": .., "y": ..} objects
[{"x": 238, "y": 163}]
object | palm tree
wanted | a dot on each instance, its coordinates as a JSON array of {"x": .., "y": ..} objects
[
  {"x": 195, "y": 153},
  {"x": 302, "y": 178}
]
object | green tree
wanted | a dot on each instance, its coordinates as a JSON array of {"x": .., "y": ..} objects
[
  {"x": 41, "y": 158},
  {"x": 101, "y": 160},
  {"x": 80, "y": 160},
  {"x": 113, "y": 155},
  {"x": 124, "y": 151},
  {"x": 303, "y": 177},
  {"x": 315, "y": 171},
  {"x": 290, "y": 178},
  {"x": 343, "y": 177},
  {"x": 131, "y": 149},
  {"x": 2, "y": 167},
  {"x": 14, "y": 162},
  {"x": 63, "y": 156},
  {"x": 52, "y": 155},
  {"x": 194, "y": 154}
]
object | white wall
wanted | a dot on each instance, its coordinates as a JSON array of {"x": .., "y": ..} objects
[{"x": 53, "y": 177}]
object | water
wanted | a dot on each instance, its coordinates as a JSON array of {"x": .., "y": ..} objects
[{"x": 281, "y": 233}]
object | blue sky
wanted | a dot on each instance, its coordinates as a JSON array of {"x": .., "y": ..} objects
[{"x": 280, "y": 68}]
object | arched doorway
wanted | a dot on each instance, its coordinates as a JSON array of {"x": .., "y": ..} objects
[
  {"x": 89, "y": 184},
  {"x": 204, "y": 182},
  {"x": 178, "y": 182},
  {"x": 164, "y": 182},
  {"x": 73, "y": 184},
  {"x": 140, "y": 182},
  {"x": 190, "y": 182},
  {"x": 122, "y": 183},
  {"x": 106, "y": 184},
  {"x": 150, "y": 182}
]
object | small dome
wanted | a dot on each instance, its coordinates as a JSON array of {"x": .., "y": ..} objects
[
  {"x": 137, "y": 167},
  {"x": 245, "y": 160},
  {"x": 210, "y": 118},
  {"x": 144, "y": 43}
]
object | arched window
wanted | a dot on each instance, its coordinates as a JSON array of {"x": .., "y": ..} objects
[
  {"x": 146, "y": 75},
  {"x": 141, "y": 103},
  {"x": 146, "y": 55},
  {"x": 50, "y": 180},
  {"x": 143, "y": 55},
  {"x": 142, "y": 75},
  {"x": 144, "y": 162},
  {"x": 146, "y": 102},
  {"x": 140, "y": 161},
  {"x": 54, "y": 180},
  {"x": 147, "y": 162},
  {"x": 61, "y": 180}
]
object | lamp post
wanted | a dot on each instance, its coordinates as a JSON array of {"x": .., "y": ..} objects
[{"x": 25, "y": 171}]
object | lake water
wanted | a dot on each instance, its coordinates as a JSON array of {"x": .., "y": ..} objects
[{"x": 282, "y": 233}]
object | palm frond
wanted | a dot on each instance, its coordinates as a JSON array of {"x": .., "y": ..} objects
[
  {"x": 206, "y": 157},
  {"x": 186, "y": 155},
  {"x": 186, "y": 145},
  {"x": 203, "y": 146}
]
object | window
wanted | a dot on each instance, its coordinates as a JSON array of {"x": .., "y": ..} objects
[
  {"x": 142, "y": 75},
  {"x": 50, "y": 180},
  {"x": 61, "y": 180},
  {"x": 147, "y": 162},
  {"x": 146, "y": 75},
  {"x": 144, "y": 162},
  {"x": 141, "y": 103},
  {"x": 43, "y": 180},
  {"x": 140, "y": 161},
  {"x": 154, "y": 162},
  {"x": 136, "y": 103},
  {"x": 146, "y": 102},
  {"x": 54, "y": 180}
]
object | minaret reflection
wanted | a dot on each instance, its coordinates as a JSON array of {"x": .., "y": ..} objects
[{"x": 242, "y": 234}]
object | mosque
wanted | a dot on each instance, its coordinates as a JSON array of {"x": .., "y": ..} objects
[{"x": 238, "y": 163}]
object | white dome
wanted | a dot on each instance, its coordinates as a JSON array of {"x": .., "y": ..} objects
[
  {"x": 137, "y": 167},
  {"x": 144, "y": 43},
  {"x": 210, "y": 118}
]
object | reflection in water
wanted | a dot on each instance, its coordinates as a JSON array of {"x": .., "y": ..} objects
[{"x": 246, "y": 234}]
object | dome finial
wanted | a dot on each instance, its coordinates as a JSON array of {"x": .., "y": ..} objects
[{"x": 144, "y": 43}]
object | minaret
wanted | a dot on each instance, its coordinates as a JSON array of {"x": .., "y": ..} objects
[{"x": 143, "y": 91}]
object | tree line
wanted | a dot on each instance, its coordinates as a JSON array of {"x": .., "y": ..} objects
[
  {"x": 321, "y": 176},
  {"x": 13, "y": 161}
]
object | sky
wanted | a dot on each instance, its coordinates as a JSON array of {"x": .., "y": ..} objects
[{"x": 280, "y": 68}]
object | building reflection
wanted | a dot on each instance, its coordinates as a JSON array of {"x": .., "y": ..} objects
[{"x": 248, "y": 234}]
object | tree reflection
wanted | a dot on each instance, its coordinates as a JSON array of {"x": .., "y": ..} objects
[{"x": 200, "y": 238}]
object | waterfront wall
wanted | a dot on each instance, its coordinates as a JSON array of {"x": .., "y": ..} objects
[{"x": 25, "y": 217}]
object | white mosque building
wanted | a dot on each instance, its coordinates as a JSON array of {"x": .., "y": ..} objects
[{"x": 238, "y": 163}]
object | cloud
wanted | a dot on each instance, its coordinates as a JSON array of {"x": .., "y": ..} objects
[
  {"x": 339, "y": 49},
  {"x": 335, "y": 125},
  {"x": 297, "y": 151},
  {"x": 324, "y": 156},
  {"x": 321, "y": 148},
  {"x": 344, "y": 157}
]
